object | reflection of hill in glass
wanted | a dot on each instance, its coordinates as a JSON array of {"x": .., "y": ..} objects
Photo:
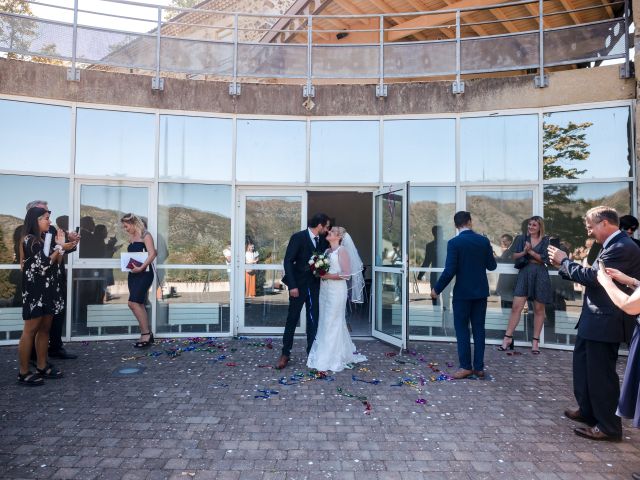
[
  {"x": 269, "y": 222},
  {"x": 193, "y": 236},
  {"x": 8, "y": 224}
]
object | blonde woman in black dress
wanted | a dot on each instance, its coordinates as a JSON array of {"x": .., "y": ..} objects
[
  {"x": 533, "y": 283},
  {"x": 140, "y": 278}
]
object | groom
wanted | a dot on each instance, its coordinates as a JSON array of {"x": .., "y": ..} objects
[{"x": 304, "y": 287}]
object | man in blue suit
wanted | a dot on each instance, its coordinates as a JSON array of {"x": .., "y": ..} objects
[
  {"x": 601, "y": 327},
  {"x": 469, "y": 256}
]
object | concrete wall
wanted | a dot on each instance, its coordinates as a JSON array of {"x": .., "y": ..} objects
[{"x": 567, "y": 87}]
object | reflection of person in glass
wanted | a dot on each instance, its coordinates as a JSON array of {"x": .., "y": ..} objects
[
  {"x": 140, "y": 277},
  {"x": 108, "y": 249},
  {"x": 533, "y": 282},
  {"x": 506, "y": 281},
  {"x": 42, "y": 293},
  {"x": 251, "y": 257},
  {"x": 629, "y": 402},
  {"x": 433, "y": 251}
]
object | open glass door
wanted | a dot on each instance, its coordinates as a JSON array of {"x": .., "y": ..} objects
[{"x": 390, "y": 265}]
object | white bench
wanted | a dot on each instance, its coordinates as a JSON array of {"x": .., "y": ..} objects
[
  {"x": 194, "y": 314},
  {"x": 110, "y": 315},
  {"x": 565, "y": 324},
  {"x": 419, "y": 316},
  {"x": 498, "y": 318},
  {"x": 11, "y": 320}
]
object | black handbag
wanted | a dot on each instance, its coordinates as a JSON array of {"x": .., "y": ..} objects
[{"x": 520, "y": 263}]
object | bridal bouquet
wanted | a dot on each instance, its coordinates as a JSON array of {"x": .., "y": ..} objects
[{"x": 319, "y": 264}]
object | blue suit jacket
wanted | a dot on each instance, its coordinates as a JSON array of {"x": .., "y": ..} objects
[
  {"x": 600, "y": 320},
  {"x": 469, "y": 256}
]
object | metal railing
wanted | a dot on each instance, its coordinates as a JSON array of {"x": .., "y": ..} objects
[{"x": 234, "y": 47}]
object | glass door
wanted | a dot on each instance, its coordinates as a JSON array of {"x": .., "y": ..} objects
[
  {"x": 390, "y": 265},
  {"x": 98, "y": 287},
  {"x": 266, "y": 221}
]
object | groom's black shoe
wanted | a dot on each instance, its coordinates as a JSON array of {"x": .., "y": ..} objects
[{"x": 282, "y": 362}]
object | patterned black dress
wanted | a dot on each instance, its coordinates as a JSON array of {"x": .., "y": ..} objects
[{"x": 42, "y": 282}]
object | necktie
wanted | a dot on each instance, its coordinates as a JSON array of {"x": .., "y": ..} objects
[{"x": 315, "y": 241}]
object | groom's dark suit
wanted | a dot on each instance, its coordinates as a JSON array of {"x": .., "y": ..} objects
[
  {"x": 298, "y": 275},
  {"x": 601, "y": 328}
]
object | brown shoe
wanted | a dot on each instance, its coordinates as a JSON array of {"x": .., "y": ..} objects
[
  {"x": 594, "y": 433},
  {"x": 576, "y": 416},
  {"x": 479, "y": 373},
  {"x": 282, "y": 362},
  {"x": 462, "y": 373}
]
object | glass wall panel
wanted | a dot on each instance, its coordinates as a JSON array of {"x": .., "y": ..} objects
[
  {"x": 194, "y": 223},
  {"x": 271, "y": 150},
  {"x": 101, "y": 208},
  {"x": 499, "y": 303},
  {"x": 11, "y": 322},
  {"x": 500, "y": 212},
  {"x": 193, "y": 301},
  {"x": 99, "y": 303},
  {"x": 431, "y": 211},
  {"x": 269, "y": 306},
  {"x": 196, "y": 148},
  {"x": 419, "y": 150},
  {"x": 564, "y": 209},
  {"x": 503, "y": 148},
  {"x": 15, "y": 192},
  {"x": 35, "y": 137},
  {"x": 111, "y": 143},
  {"x": 587, "y": 144},
  {"x": 345, "y": 151}
]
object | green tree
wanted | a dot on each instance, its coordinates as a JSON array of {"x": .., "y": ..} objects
[
  {"x": 17, "y": 33},
  {"x": 563, "y": 145}
]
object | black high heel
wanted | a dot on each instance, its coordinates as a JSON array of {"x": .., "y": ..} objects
[
  {"x": 537, "y": 350},
  {"x": 141, "y": 344},
  {"x": 511, "y": 346}
]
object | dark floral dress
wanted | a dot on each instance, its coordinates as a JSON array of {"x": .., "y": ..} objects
[{"x": 42, "y": 282}]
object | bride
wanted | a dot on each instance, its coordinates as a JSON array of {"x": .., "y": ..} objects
[{"x": 333, "y": 349}]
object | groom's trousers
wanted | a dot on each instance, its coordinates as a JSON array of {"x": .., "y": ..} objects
[{"x": 309, "y": 297}]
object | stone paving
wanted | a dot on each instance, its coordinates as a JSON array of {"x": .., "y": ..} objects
[{"x": 196, "y": 415}]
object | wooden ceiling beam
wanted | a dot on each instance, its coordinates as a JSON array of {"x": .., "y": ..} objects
[
  {"x": 534, "y": 13},
  {"x": 500, "y": 15},
  {"x": 608, "y": 8},
  {"x": 479, "y": 29},
  {"x": 425, "y": 21},
  {"x": 569, "y": 6}
]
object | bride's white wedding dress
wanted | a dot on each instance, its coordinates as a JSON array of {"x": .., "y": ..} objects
[{"x": 333, "y": 349}]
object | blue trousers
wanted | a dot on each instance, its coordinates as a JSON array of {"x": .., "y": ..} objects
[{"x": 472, "y": 312}]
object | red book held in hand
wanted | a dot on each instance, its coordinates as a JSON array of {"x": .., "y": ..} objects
[{"x": 133, "y": 263}]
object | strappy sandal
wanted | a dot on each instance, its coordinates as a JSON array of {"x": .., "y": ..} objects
[
  {"x": 50, "y": 372},
  {"x": 141, "y": 344},
  {"x": 511, "y": 346},
  {"x": 30, "y": 379},
  {"x": 535, "y": 351}
]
